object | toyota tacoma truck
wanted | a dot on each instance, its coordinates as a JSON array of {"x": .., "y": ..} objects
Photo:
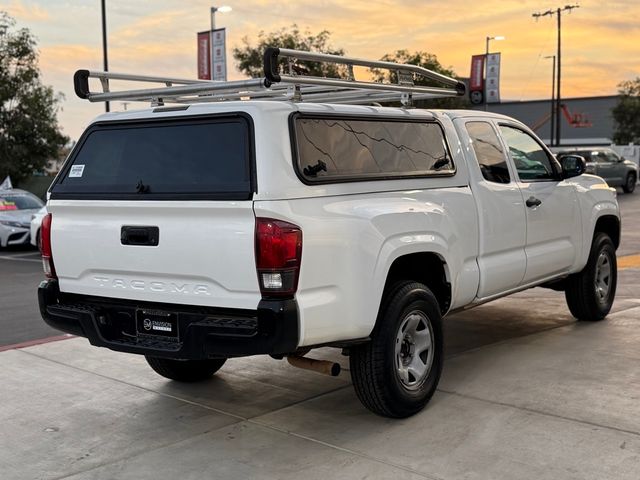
[{"x": 268, "y": 219}]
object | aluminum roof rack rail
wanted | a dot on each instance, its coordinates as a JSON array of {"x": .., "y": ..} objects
[{"x": 291, "y": 86}]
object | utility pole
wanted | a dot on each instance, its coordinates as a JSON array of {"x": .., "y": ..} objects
[
  {"x": 558, "y": 12},
  {"x": 104, "y": 46},
  {"x": 553, "y": 98}
]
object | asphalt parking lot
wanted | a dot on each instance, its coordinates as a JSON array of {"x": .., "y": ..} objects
[
  {"x": 21, "y": 271},
  {"x": 526, "y": 393}
]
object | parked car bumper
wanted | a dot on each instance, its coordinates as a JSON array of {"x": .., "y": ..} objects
[
  {"x": 201, "y": 332},
  {"x": 14, "y": 236},
  {"x": 36, "y": 222}
]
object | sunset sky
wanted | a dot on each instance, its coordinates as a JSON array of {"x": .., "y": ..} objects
[{"x": 601, "y": 40}]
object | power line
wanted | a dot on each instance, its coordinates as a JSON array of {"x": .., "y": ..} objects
[
  {"x": 558, "y": 12},
  {"x": 543, "y": 50}
]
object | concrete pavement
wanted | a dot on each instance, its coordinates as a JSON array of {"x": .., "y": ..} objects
[{"x": 526, "y": 393}]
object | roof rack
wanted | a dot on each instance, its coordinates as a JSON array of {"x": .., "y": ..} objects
[{"x": 291, "y": 86}]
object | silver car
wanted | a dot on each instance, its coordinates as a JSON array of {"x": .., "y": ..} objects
[
  {"x": 16, "y": 208},
  {"x": 606, "y": 163},
  {"x": 36, "y": 223}
]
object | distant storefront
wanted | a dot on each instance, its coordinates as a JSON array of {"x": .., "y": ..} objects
[{"x": 585, "y": 121}]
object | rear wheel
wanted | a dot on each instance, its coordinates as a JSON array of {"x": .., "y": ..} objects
[
  {"x": 629, "y": 184},
  {"x": 397, "y": 372},
  {"x": 185, "y": 370},
  {"x": 590, "y": 293}
]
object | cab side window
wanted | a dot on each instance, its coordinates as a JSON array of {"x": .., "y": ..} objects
[
  {"x": 489, "y": 152},
  {"x": 530, "y": 159},
  {"x": 607, "y": 157}
]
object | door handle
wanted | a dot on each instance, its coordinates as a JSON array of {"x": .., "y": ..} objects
[
  {"x": 143, "y": 236},
  {"x": 533, "y": 202}
]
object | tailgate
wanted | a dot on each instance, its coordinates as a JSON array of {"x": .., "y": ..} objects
[
  {"x": 205, "y": 252},
  {"x": 159, "y": 211}
]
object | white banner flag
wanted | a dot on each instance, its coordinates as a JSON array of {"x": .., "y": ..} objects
[
  {"x": 6, "y": 185},
  {"x": 218, "y": 55},
  {"x": 492, "y": 86}
]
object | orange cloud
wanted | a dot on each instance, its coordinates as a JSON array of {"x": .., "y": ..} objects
[
  {"x": 26, "y": 13},
  {"x": 599, "y": 39}
]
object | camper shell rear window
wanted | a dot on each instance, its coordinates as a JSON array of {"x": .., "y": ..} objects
[
  {"x": 333, "y": 148},
  {"x": 207, "y": 158}
]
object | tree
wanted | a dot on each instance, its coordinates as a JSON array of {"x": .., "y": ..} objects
[
  {"x": 29, "y": 132},
  {"x": 425, "y": 60},
  {"x": 626, "y": 114},
  {"x": 249, "y": 57}
]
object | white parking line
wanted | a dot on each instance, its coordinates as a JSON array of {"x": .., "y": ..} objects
[
  {"x": 20, "y": 259},
  {"x": 25, "y": 254}
]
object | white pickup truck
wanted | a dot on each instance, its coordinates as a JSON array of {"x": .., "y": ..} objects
[{"x": 206, "y": 231}]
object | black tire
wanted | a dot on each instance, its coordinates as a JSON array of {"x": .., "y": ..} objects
[
  {"x": 185, "y": 370},
  {"x": 585, "y": 300},
  {"x": 629, "y": 184},
  {"x": 374, "y": 365}
]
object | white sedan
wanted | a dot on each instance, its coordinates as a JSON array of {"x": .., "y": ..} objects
[
  {"x": 16, "y": 209},
  {"x": 36, "y": 222}
]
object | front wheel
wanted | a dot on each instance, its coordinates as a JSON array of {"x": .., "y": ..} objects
[
  {"x": 590, "y": 293},
  {"x": 630, "y": 183},
  {"x": 185, "y": 370},
  {"x": 397, "y": 372}
]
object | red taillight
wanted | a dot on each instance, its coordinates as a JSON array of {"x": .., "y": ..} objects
[
  {"x": 278, "y": 256},
  {"x": 45, "y": 243}
]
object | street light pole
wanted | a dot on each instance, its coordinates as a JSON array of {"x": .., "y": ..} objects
[
  {"x": 104, "y": 46},
  {"x": 553, "y": 97},
  {"x": 221, "y": 9},
  {"x": 486, "y": 68},
  {"x": 558, "y": 12}
]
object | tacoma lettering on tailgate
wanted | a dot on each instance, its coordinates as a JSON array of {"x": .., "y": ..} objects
[{"x": 155, "y": 286}]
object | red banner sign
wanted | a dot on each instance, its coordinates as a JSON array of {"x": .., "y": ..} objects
[
  {"x": 204, "y": 55},
  {"x": 476, "y": 79}
]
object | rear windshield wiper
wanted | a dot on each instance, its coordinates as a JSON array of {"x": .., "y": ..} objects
[
  {"x": 141, "y": 187},
  {"x": 312, "y": 170}
]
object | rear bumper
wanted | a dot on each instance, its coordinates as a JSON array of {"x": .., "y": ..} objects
[{"x": 202, "y": 332}]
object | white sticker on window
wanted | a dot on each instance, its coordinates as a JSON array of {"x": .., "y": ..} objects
[{"x": 76, "y": 171}]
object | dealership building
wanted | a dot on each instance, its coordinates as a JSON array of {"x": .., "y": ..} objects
[{"x": 584, "y": 121}]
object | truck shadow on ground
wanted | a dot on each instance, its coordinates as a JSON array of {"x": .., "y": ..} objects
[
  {"x": 503, "y": 320},
  {"x": 254, "y": 386}
]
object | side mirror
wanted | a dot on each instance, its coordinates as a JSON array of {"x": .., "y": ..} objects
[{"x": 572, "y": 165}]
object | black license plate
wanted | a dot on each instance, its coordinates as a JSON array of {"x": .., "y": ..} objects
[{"x": 157, "y": 323}]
